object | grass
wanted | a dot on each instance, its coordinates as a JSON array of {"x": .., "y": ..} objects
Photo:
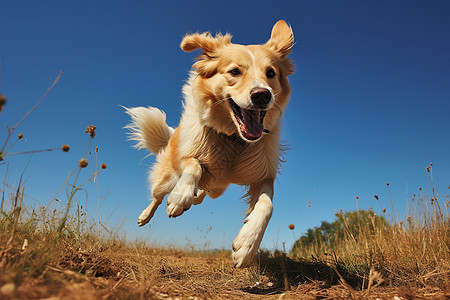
[
  {"x": 59, "y": 253},
  {"x": 414, "y": 252}
]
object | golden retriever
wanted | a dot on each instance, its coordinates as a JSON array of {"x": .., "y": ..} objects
[{"x": 229, "y": 132}]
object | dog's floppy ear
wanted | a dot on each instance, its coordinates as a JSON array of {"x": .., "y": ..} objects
[
  {"x": 205, "y": 42},
  {"x": 207, "y": 64},
  {"x": 282, "y": 38}
]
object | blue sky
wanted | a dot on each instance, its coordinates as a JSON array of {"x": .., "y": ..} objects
[{"x": 370, "y": 104}]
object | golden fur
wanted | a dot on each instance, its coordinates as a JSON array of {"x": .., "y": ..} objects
[{"x": 228, "y": 134}]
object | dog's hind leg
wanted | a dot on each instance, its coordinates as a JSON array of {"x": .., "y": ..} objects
[
  {"x": 159, "y": 190},
  {"x": 213, "y": 193},
  {"x": 249, "y": 238},
  {"x": 199, "y": 196},
  {"x": 182, "y": 196},
  {"x": 148, "y": 213}
]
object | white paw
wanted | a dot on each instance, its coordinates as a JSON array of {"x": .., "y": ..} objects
[
  {"x": 246, "y": 244},
  {"x": 249, "y": 238},
  {"x": 180, "y": 200}
]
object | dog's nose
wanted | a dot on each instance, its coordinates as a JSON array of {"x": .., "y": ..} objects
[{"x": 260, "y": 97}]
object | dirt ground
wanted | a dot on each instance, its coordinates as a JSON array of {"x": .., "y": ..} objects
[{"x": 124, "y": 273}]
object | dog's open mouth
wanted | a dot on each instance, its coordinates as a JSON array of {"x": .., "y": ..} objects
[{"x": 250, "y": 121}]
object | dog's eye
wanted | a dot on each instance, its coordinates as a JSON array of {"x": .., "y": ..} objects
[
  {"x": 270, "y": 73},
  {"x": 235, "y": 72}
]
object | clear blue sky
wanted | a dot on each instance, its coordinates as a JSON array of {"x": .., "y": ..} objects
[{"x": 370, "y": 103}]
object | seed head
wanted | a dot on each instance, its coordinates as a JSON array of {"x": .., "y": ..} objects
[
  {"x": 103, "y": 166},
  {"x": 20, "y": 136},
  {"x": 91, "y": 130},
  {"x": 387, "y": 183},
  {"x": 384, "y": 210},
  {"x": 65, "y": 148},
  {"x": 376, "y": 197},
  {"x": 420, "y": 189},
  {"x": 2, "y": 101},
  {"x": 82, "y": 163},
  {"x": 357, "y": 197},
  {"x": 291, "y": 226},
  {"x": 428, "y": 169}
]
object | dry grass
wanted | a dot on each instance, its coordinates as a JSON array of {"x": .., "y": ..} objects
[
  {"x": 67, "y": 267},
  {"x": 409, "y": 254}
]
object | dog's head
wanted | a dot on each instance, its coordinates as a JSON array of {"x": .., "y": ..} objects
[{"x": 242, "y": 89}]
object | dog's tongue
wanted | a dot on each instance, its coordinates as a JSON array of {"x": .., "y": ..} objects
[{"x": 253, "y": 129}]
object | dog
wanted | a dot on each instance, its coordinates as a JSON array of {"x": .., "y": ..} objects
[{"x": 229, "y": 132}]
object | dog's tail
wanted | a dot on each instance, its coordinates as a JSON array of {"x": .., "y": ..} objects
[{"x": 149, "y": 128}]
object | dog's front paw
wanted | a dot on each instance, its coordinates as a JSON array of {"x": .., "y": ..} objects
[
  {"x": 249, "y": 238},
  {"x": 180, "y": 200},
  {"x": 247, "y": 243}
]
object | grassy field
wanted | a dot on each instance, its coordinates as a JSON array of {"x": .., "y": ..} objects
[
  {"x": 37, "y": 261},
  {"x": 58, "y": 254}
]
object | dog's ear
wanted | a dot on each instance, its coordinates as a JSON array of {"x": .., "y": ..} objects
[
  {"x": 282, "y": 38},
  {"x": 205, "y": 42},
  {"x": 206, "y": 65}
]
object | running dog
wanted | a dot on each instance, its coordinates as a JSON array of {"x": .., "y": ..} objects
[{"x": 229, "y": 132}]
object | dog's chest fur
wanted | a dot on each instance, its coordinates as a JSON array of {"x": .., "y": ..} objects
[{"x": 228, "y": 159}]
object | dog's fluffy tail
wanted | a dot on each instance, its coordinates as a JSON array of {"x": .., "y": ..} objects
[{"x": 149, "y": 128}]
